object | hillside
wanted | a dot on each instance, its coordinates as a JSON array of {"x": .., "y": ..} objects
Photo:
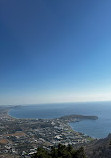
[
  {"x": 100, "y": 148},
  {"x": 97, "y": 149}
]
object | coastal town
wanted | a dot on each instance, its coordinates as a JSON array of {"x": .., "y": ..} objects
[{"x": 21, "y": 137}]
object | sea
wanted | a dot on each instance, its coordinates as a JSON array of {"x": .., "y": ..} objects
[{"x": 95, "y": 128}]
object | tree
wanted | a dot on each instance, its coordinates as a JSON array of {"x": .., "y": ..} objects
[{"x": 61, "y": 151}]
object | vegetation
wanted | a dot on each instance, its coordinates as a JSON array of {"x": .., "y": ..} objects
[{"x": 61, "y": 151}]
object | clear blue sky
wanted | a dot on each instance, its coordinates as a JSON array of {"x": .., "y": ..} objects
[{"x": 55, "y": 51}]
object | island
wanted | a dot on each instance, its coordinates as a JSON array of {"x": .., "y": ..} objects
[{"x": 22, "y": 137}]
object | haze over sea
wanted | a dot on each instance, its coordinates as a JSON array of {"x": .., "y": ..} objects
[{"x": 96, "y": 128}]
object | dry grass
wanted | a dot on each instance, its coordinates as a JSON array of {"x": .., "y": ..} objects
[
  {"x": 3, "y": 141},
  {"x": 19, "y": 134}
]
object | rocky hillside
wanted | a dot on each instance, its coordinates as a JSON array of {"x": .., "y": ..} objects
[{"x": 100, "y": 148}]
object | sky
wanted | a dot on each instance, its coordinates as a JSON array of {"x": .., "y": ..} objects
[{"x": 55, "y": 51}]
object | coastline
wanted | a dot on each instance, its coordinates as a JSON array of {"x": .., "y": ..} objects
[
  {"x": 68, "y": 119},
  {"x": 37, "y": 132}
]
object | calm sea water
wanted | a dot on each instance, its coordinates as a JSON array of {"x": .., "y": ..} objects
[{"x": 96, "y": 128}]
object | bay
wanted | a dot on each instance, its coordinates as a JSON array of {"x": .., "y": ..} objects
[{"x": 95, "y": 128}]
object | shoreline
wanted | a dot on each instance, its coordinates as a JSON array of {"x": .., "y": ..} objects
[
  {"x": 68, "y": 122},
  {"x": 37, "y": 132}
]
